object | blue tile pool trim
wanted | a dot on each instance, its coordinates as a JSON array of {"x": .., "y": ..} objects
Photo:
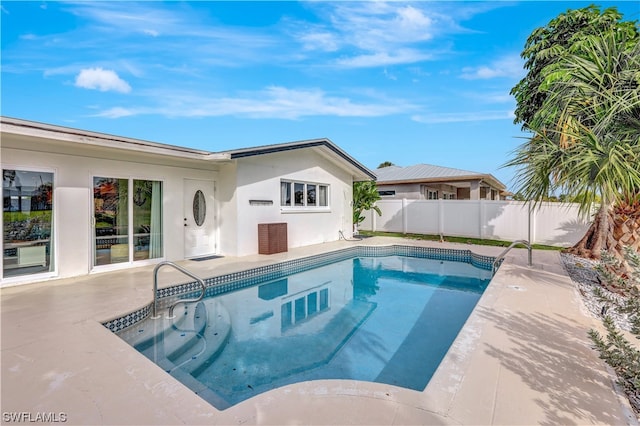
[{"x": 250, "y": 277}]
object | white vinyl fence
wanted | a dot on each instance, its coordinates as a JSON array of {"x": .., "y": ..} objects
[{"x": 557, "y": 224}]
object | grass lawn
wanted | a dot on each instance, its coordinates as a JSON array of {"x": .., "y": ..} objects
[{"x": 463, "y": 240}]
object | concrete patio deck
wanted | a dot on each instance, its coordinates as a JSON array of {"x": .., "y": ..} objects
[{"x": 523, "y": 357}]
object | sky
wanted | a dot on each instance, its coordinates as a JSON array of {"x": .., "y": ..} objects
[{"x": 405, "y": 82}]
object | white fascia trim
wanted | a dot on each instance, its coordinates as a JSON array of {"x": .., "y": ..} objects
[{"x": 82, "y": 137}]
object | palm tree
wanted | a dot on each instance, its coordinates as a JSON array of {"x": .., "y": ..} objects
[{"x": 586, "y": 139}]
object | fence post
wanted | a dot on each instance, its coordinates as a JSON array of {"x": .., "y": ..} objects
[
  {"x": 529, "y": 222},
  {"x": 404, "y": 216},
  {"x": 373, "y": 219},
  {"x": 482, "y": 217},
  {"x": 532, "y": 224},
  {"x": 440, "y": 217}
]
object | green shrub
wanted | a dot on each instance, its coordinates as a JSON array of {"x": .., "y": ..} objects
[{"x": 622, "y": 278}]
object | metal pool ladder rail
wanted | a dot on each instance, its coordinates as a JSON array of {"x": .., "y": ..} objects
[
  {"x": 154, "y": 310},
  {"x": 501, "y": 256}
]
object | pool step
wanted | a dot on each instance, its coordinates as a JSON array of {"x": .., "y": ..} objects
[
  {"x": 145, "y": 333},
  {"x": 196, "y": 334}
]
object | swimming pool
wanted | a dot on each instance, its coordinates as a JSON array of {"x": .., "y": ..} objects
[{"x": 380, "y": 314}]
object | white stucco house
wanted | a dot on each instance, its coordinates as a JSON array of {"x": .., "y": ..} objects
[{"x": 78, "y": 202}]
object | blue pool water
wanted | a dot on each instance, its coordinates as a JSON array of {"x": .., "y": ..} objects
[{"x": 387, "y": 319}]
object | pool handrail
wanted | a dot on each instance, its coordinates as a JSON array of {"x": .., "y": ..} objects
[
  {"x": 154, "y": 309},
  {"x": 501, "y": 256}
]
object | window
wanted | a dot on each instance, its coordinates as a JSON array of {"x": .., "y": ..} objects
[
  {"x": 304, "y": 194},
  {"x": 311, "y": 195},
  {"x": 128, "y": 220},
  {"x": 298, "y": 193},
  {"x": 285, "y": 194},
  {"x": 428, "y": 193},
  {"x": 386, "y": 193},
  {"x": 323, "y": 199},
  {"x": 199, "y": 208},
  {"x": 27, "y": 231},
  {"x": 448, "y": 196}
]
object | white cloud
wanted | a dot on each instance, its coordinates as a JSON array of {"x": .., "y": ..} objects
[
  {"x": 380, "y": 26},
  {"x": 375, "y": 34},
  {"x": 271, "y": 102},
  {"x": 322, "y": 40},
  {"x": 404, "y": 56},
  {"x": 101, "y": 79},
  {"x": 461, "y": 117},
  {"x": 128, "y": 17},
  {"x": 414, "y": 22},
  {"x": 116, "y": 112},
  {"x": 508, "y": 66}
]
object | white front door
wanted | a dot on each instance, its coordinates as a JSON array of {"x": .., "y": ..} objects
[{"x": 199, "y": 218}]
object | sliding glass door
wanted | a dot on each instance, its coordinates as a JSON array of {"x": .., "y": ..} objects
[
  {"x": 147, "y": 219},
  {"x": 128, "y": 220},
  {"x": 111, "y": 215},
  {"x": 27, "y": 222}
]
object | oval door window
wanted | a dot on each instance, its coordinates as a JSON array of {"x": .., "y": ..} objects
[{"x": 199, "y": 208}]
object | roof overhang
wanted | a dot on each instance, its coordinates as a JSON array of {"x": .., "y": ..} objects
[
  {"x": 459, "y": 181},
  {"x": 323, "y": 146},
  {"x": 86, "y": 138},
  {"x": 69, "y": 136}
]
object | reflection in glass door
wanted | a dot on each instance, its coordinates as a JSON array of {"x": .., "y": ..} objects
[
  {"x": 111, "y": 214},
  {"x": 128, "y": 222},
  {"x": 27, "y": 231},
  {"x": 147, "y": 219}
]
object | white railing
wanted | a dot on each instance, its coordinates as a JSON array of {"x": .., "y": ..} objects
[
  {"x": 498, "y": 260},
  {"x": 557, "y": 224},
  {"x": 154, "y": 306}
]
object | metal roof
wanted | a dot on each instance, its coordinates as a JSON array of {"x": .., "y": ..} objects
[{"x": 429, "y": 173}]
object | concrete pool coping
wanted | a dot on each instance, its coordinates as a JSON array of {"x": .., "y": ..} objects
[{"x": 523, "y": 357}]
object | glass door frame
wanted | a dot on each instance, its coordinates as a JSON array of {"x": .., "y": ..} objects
[
  {"x": 130, "y": 220},
  {"x": 53, "y": 239}
]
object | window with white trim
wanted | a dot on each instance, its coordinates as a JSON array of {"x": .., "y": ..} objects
[{"x": 303, "y": 194}]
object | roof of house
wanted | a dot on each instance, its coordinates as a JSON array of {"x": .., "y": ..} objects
[
  {"x": 70, "y": 135},
  {"x": 85, "y": 137},
  {"x": 430, "y": 173},
  {"x": 325, "y": 146}
]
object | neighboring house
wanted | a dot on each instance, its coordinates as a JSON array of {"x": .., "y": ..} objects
[
  {"x": 428, "y": 182},
  {"x": 76, "y": 202}
]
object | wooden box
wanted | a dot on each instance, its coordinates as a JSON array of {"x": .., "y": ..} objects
[{"x": 272, "y": 238}]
